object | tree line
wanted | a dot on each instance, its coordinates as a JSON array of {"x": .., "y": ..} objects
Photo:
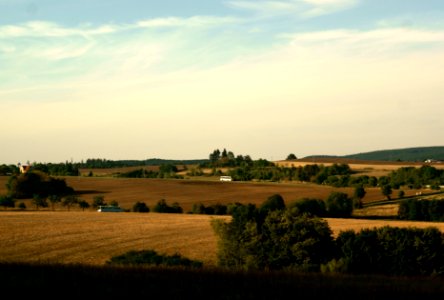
[
  {"x": 275, "y": 237},
  {"x": 166, "y": 170}
]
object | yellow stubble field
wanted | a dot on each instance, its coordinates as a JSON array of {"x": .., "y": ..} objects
[{"x": 90, "y": 237}]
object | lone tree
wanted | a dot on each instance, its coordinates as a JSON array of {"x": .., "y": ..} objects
[
  {"x": 70, "y": 200},
  {"x": 386, "y": 191},
  {"x": 39, "y": 201},
  {"x": 359, "y": 193},
  {"x": 98, "y": 201},
  {"x": 54, "y": 199},
  {"x": 83, "y": 204},
  {"x": 291, "y": 156},
  {"x": 339, "y": 205},
  {"x": 274, "y": 202},
  {"x": 7, "y": 201},
  {"x": 141, "y": 207}
]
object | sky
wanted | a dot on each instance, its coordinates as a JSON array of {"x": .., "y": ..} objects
[{"x": 177, "y": 79}]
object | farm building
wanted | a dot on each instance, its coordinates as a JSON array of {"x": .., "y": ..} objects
[
  {"x": 24, "y": 168},
  {"x": 432, "y": 161}
]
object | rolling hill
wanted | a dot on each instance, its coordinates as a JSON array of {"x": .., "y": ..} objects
[{"x": 414, "y": 154}]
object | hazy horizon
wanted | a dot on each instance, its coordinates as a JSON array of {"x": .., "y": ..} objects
[{"x": 146, "y": 79}]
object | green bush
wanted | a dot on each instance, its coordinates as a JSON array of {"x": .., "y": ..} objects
[
  {"x": 7, "y": 201},
  {"x": 215, "y": 209},
  {"x": 392, "y": 251},
  {"x": 151, "y": 258},
  {"x": 163, "y": 207},
  {"x": 309, "y": 206},
  {"x": 421, "y": 210},
  {"x": 339, "y": 205},
  {"x": 274, "y": 202},
  {"x": 278, "y": 241},
  {"x": 140, "y": 207}
]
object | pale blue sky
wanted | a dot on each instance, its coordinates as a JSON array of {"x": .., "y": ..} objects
[{"x": 177, "y": 79}]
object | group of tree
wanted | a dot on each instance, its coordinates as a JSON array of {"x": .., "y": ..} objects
[
  {"x": 415, "y": 178},
  {"x": 35, "y": 182},
  {"x": 421, "y": 210},
  {"x": 337, "y": 175},
  {"x": 45, "y": 191},
  {"x": 7, "y": 170},
  {"x": 163, "y": 207},
  {"x": 275, "y": 237},
  {"x": 337, "y": 205},
  {"x": 100, "y": 163},
  {"x": 224, "y": 158},
  {"x": 165, "y": 171},
  {"x": 213, "y": 209},
  {"x": 70, "y": 168},
  {"x": 58, "y": 169}
]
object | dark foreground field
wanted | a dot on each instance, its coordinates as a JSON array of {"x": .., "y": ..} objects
[{"x": 89, "y": 282}]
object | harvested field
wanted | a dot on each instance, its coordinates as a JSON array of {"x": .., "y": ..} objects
[
  {"x": 127, "y": 191},
  {"x": 361, "y": 167},
  {"x": 338, "y": 225},
  {"x": 92, "y": 238},
  {"x": 186, "y": 192}
]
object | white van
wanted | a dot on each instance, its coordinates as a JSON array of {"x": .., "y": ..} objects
[{"x": 225, "y": 178}]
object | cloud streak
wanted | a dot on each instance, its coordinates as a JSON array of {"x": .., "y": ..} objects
[
  {"x": 50, "y": 29},
  {"x": 376, "y": 42},
  {"x": 301, "y": 8}
]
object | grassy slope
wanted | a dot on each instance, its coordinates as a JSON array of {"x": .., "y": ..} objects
[{"x": 419, "y": 154}]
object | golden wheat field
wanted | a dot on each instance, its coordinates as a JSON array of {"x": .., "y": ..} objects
[
  {"x": 92, "y": 238},
  {"x": 186, "y": 192},
  {"x": 205, "y": 190}
]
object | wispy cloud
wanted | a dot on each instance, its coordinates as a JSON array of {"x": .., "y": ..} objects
[
  {"x": 196, "y": 21},
  {"x": 302, "y": 8},
  {"x": 324, "y": 7},
  {"x": 381, "y": 40},
  {"x": 50, "y": 29},
  {"x": 35, "y": 53},
  {"x": 265, "y": 7}
]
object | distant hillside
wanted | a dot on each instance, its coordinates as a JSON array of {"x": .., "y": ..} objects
[{"x": 417, "y": 154}]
